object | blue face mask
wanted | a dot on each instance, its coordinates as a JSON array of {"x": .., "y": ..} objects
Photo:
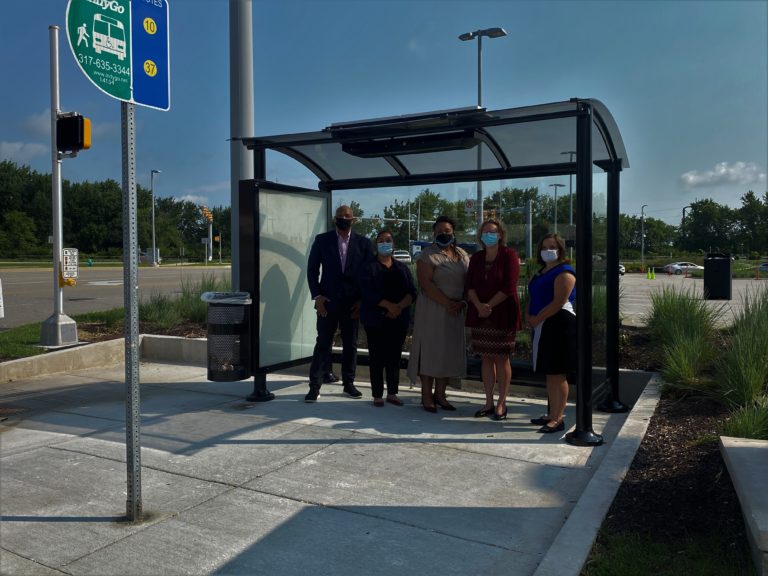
[
  {"x": 385, "y": 248},
  {"x": 490, "y": 238}
]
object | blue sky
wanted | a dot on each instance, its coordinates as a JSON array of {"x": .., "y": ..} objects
[{"x": 685, "y": 81}]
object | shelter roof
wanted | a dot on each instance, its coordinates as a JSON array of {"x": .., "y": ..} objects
[{"x": 458, "y": 145}]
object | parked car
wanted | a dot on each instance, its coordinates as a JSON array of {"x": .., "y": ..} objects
[
  {"x": 762, "y": 267},
  {"x": 402, "y": 255},
  {"x": 621, "y": 269},
  {"x": 680, "y": 267}
]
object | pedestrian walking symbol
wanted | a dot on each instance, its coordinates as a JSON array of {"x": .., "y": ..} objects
[{"x": 82, "y": 35}]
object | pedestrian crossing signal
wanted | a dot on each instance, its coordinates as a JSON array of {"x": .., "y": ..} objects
[{"x": 73, "y": 133}]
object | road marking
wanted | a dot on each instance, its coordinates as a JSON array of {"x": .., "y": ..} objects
[{"x": 106, "y": 283}]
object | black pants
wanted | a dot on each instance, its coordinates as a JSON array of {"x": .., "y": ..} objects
[
  {"x": 339, "y": 316},
  {"x": 385, "y": 348}
]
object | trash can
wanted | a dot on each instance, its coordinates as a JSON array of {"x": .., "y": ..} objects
[
  {"x": 717, "y": 277},
  {"x": 229, "y": 335}
]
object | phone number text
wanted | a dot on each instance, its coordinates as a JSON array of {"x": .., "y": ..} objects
[{"x": 86, "y": 60}]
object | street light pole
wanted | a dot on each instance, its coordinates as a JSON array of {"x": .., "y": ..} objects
[
  {"x": 478, "y": 34},
  {"x": 556, "y": 186},
  {"x": 152, "y": 190},
  {"x": 571, "y": 154},
  {"x": 642, "y": 237},
  {"x": 682, "y": 223}
]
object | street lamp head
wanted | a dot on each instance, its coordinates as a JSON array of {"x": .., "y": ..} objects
[
  {"x": 156, "y": 171},
  {"x": 493, "y": 32},
  {"x": 487, "y": 32}
]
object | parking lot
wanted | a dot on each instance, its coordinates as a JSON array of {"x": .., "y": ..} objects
[{"x": 636, "y": 290}]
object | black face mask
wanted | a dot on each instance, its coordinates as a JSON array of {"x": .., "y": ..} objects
[
  {"x": 444, "y": 239},
  {"x": 343, "y": 223}
]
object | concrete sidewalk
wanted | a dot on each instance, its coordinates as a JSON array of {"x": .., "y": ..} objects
[{"x": 287, "y": 488}]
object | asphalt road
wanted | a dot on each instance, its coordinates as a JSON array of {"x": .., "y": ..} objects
[{"x": 28, "y": 293}]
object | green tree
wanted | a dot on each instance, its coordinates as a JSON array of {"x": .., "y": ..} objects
[{"x": 17, "y": 235}]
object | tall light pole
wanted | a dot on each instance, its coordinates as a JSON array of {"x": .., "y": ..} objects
[
  {"x": 682, "y": 223},
  {"x": 556, "y": 186},
  {"x": 152, "y": 189},
  {"x": 490, "y": 33},
  {"x": 571, "y": 154},
  {"x": 642, "y": 237}
]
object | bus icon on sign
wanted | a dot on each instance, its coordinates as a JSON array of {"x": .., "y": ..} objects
[{"x": 108, "y": 36}]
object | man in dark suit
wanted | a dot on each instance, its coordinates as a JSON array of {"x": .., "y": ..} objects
[{"x": 341, "y": 255}]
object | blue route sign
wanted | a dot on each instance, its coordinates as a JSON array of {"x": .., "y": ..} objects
[{"x": 123, "y": 48}]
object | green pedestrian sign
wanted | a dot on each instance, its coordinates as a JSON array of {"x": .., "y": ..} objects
[{"x": 123, "y": 48}]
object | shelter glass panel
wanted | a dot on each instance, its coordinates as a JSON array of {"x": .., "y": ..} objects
[
  {"x": 536, "y": 143},
  {"x": 342, "y": 166},
  {"x": 600, "y": 274},
  {"x": 449, "y": 161},
  {"x": 288, "y": 223}
]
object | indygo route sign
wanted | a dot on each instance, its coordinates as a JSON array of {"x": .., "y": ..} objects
[{"x": 122, "y": 46}]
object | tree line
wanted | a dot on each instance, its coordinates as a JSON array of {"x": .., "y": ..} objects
[{"x": 93, "y": 221}]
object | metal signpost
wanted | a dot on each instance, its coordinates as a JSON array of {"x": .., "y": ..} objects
[{"x": 123, "y": 47}]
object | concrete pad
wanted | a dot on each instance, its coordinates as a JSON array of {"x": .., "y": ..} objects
[
  {"x": 467, "y": 495},
  {"x": 285, "y": 487},
  {"x": 747, "y": 462},
  {"x": 14, "y": 565},
  {"x": 214, "y": 447},
  {"x": 243, "y": 532},
  {"x": 48, "y": 428},
  {"x": 58, "y": 505}
]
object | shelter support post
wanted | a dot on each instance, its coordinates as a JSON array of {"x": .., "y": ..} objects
[
  {"x": 612, "y": 403},
  {"x": 583, "y": 435}
]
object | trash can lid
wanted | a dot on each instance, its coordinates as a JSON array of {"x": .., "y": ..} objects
[{"x": 239, "y": 298}]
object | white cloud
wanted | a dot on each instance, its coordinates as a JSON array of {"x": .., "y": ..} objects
[
  {"x": 22, "y": 152},
  {"x": 742, "y": 173}
]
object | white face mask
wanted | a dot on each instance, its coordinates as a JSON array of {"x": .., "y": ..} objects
[{"x": 549, "y": 255}]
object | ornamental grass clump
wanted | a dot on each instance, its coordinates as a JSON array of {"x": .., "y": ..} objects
[
  {"x": 749, "y": 421},
  {"x": 687, "y": 357},
  {"x": 166, "y": 311},
  {"x": 686, "y": 329},
  {"x": 742, "y": 371},
  {"x": 676, "y": 311}
]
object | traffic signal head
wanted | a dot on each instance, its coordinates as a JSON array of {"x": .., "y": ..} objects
[{"x": 73, "y": 133}]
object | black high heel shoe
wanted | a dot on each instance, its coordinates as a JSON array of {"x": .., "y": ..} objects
[
  {"x": 559, "y": 427},
  {"x": 502, "y": 416},
  {"x": 444, "y": 404},
  {"x": 483, "y": 412}
]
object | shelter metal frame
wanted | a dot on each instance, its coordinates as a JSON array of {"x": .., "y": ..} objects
[{"x": 518, "y": 143}]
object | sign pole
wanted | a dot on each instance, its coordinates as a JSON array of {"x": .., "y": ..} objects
[
  {"x": 130, "y": 297},
  {"x": 58, "y": 329}
]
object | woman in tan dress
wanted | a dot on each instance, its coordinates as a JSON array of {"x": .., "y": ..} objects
[{"x": 438, "y": 351}]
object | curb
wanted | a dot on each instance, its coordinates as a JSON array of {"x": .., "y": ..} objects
[{"x": 152, "y": 348}]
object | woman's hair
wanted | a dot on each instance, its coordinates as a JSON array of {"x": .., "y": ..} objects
[
  {"x": 499, "y": 227},
  {"x": 382, "y": 232},
  {"x": 441, "y": 219},
  {"x": 560, "y": 247}
]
